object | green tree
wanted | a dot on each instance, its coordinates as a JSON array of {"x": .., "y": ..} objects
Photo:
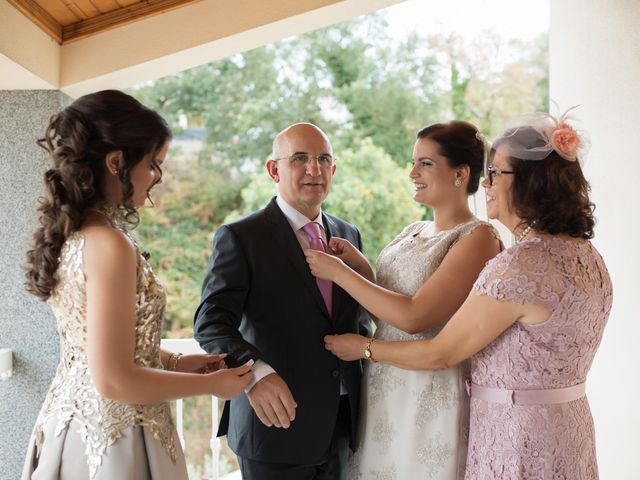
[
  {"x": 351, "y": 79},
  {"x": 192, "y": 202},
  {"x": 386, "y": 88},
  {"x": 241, "y": 102},
  {"x": 492, "y": 79}
]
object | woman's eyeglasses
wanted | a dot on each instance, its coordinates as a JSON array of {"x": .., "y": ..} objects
[{"x": 493, "y": 172}]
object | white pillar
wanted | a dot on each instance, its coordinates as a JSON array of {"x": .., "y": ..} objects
[{"x": 595, "y": 61}]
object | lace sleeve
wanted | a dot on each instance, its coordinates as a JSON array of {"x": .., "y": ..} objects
[{"x": 521, "y": 274}]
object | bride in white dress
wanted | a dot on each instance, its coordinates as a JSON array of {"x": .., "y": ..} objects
[{"x": 414, "y": 424}]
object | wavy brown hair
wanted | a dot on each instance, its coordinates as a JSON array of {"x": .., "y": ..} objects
[
  {"x": 552, "y": 194},
  {"x": 78, "y": 140},
  {"x": 460, "y": 143}
]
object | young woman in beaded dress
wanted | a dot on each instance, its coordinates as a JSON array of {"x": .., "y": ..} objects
[
  {"x": 414, "y": 424},
  {"x": 106, "y": 414},
  {"x": 534, "y": 319}
]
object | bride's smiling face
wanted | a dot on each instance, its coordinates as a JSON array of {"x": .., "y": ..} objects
[{"x": 433, "y": 178}]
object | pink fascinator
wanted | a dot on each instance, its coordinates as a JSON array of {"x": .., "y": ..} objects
[{"x": 536, "y": 135}]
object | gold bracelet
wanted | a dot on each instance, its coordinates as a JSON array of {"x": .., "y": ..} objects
[
  {"x": 367, "y": 350},
  {"x": 172, "y": 363}
]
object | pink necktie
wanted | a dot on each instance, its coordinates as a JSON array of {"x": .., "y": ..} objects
[{"x": 313, "y": 233}]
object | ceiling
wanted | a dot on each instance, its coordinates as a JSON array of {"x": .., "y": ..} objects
[
  {"x": 81, "y": 46},
  {"x": 69, "y": 20}
]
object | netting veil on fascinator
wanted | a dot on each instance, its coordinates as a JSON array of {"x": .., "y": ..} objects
[{"x": 536, "y": 135}]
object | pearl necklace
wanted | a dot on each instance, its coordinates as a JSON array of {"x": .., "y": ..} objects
[{"x": 524, "y": 233}]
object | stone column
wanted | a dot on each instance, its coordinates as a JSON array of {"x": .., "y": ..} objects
[
  {"x": 26, "y": 324},
  {"x": 595, "y": 62}
]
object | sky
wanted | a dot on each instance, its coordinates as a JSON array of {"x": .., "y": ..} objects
[{"x": 524, "y": 19}]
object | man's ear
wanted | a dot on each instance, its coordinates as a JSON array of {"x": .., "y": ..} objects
[
  {"x": 113, "y": 162},
  {"x": 272, "y": 170}
]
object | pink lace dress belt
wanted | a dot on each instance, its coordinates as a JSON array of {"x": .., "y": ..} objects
[{"x": 526, "y": 397}]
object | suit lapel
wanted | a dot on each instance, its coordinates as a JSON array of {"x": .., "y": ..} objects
[{"x": 288, "y": 242}]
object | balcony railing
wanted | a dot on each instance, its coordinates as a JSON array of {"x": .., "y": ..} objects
[{"x": 191, "y": 346}]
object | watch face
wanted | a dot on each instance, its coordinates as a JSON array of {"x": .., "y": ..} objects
[{"x": 367, "y": 353}]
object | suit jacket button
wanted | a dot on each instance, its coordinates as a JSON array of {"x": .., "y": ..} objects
[{"x": 335, "y": 373}]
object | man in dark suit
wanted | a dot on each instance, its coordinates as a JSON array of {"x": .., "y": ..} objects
[{"x": 260, "y": 302}]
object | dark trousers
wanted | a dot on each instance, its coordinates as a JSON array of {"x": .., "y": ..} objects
[{"x": 332, "y": 467}]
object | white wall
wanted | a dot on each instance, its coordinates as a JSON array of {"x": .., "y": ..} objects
[{"x": 595, "y": 61}]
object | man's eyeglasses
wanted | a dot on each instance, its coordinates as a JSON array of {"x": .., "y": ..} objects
[
  {"x": 303, "y": 159},
  {"x": 496, "y": 172}
]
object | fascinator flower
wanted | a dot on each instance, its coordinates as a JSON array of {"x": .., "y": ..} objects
[
  {"x": 541, "y": 133},
  {"x": 566, "y": 141}
]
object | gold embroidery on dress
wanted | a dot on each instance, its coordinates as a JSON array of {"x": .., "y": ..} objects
[{"x": 73, "y": 394}]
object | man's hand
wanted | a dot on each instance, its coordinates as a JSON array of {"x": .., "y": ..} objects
[{"x": 272, "y": 401}]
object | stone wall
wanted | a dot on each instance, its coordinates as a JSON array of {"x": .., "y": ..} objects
[{"x": 26, "y": 324}]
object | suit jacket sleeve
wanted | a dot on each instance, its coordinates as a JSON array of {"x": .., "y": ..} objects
[
  {"x": 224, "y": 291},
  {"x": 364, "y": 320}
]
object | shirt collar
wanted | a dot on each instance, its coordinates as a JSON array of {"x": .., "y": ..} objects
[{"x": 296, "y": 219}]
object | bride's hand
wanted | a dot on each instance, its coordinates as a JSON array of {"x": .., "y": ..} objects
[
  {"x": 201, "y": 363},
  {"x": 343, "y": 249},
  {"x": 347, "y": 347},
  {"x": 354, "y": 258},
  {"x": 322, "y": 265}
]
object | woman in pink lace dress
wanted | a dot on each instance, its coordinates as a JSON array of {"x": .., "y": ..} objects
[{"x": 534, "y": 318}]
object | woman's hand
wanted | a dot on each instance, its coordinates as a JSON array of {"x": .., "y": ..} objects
[
  {"x": 228, "y": 383},
  {"x": 200, "y": 363},
  {"x": 347, "y": 347},
  {"x": 322, "y": 265},
  {"x": 345, "y": 251}
]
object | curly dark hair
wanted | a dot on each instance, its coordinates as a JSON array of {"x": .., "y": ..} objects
[
  {"x": 78, "y": 140},
  {"x": 552, "y": 194},
  {"x": 461, "y": 144}
]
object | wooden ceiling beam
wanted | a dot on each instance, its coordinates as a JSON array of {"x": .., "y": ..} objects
[
  {"x": 39, "y": 16},
  {"x": 116, "y": 18}
]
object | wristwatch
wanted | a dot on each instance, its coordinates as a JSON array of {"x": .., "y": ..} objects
[{"x": 367, "y": 350}]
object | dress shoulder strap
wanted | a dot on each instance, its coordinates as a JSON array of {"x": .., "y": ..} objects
[{"x": 465, "y": 229}]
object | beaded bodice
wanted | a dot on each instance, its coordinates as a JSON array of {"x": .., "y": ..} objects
[{"x": 73, "y": 394}]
